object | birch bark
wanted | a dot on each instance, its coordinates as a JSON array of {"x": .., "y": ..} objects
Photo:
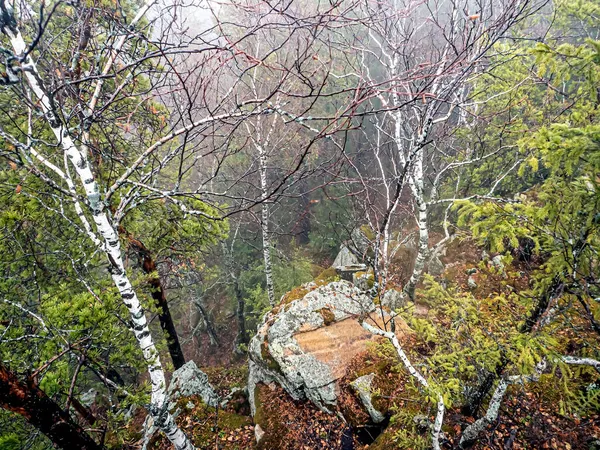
[
  {"x": 110, "y": 240},
  {"x": 265, "y": 224}
]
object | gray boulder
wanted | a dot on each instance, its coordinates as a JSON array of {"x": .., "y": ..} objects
[
  {"x": 345, "y": 258},
  {"x": 292, "y": 348},
  {"x": 393, "y": 299},
  {"x": 498, "y": 264},
  {"x": 471, "y": 283},
  {"x": 362, "y": 386},
  {"x": 436, "y": 267},
  {"x": 188, "y": 380},
  {"x": 348, "y": 272},
  {"x": 363, "y": 280}
]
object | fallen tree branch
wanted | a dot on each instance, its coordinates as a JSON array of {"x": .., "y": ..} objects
[{"x": 439, "y": 418}]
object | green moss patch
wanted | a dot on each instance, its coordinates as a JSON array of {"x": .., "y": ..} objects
[
  {"x": 388, "y": 385},
  {"x": 210, "y": 428},
  {"x": 268, "y": 358},
  {"x": 328, "y": 316},
  {"x": 327, "y": 275},
  {"x": 295, "y": 294}
]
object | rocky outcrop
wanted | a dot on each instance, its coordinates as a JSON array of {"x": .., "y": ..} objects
[
  {"x": 348, "y": 273},
  {"x": 393, "y": 299},
  {"x": 435, "y": 266},
  {"x": 362, "y": 386},
  {"x": 187, "y": 381},
  {"x": 345, "y": 258},
  {"x": 306, "y": 345},
  {"x": 363, "y": 280}
]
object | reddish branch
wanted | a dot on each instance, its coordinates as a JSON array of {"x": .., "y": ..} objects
[{"x": 28, "y": 400}]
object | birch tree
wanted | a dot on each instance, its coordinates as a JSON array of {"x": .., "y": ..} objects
[
  {"x": 95, "y": 129},
  {"x": 417, "y": 63},
  {"x": 107, "y": 239}
]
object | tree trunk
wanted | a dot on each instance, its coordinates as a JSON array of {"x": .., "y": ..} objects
[
  {"x": 265, "y": 225},
  {"x": 416, "y": 184},
  {"x": 29, "y": 401},
  {"x": 83, "y": 411},
  {"x": 212, "y": 334},
  {"x": 242, "y": 337},
  {"x": 110, "y": 244},
  {"x": 160, "y": 300}
]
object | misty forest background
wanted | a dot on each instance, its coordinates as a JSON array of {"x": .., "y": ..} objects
[{"x": 172, "y": 172}]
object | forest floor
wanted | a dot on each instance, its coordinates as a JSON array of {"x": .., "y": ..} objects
[{"x": 532, "y": 416}]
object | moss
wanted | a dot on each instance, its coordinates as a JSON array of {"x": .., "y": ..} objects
[
  {"x": 388, "y": 379},
  {"x": 232, "y": 421},
  {"x": 272, "y": 364},
  {"x": 203, "y": 435},
  {"x": 269, "y": 422},
  {"x": 328, "y": 275},
  {"x": 259, "y": 415},
  {"x": 295, "y": 294},
  {"x": 325, "y": 277},
  {"x": 328, "y": 316},
  {"x": 368, "y": 275}
]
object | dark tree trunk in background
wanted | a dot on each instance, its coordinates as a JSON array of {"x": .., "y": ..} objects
[
  {"x": 302, "y": 227},
  {"x": 29, "y": 401},
  {"x": 242, "y": 337},
  {"x": 160, "y": 299},
  {"x": 83, "y": 411},
  {"x": 208, "y": 325}
]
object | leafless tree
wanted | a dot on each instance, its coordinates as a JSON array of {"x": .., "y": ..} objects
[
  {"x": 416, "y": 62},
  {"x": 152, "y": 118}
]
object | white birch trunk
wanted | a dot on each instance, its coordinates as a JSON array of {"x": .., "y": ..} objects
[
  {"x": 439, "y": 417},
  {"x": 472, "y": 432},
  {"x": 416, "y": 184},
  {"x": 111, "y": 247},
  {"x": 265, "y": 224}
]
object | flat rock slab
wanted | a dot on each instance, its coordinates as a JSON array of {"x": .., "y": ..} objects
[
  {"x": 337, "y": 344},
  {"x": 306, "y": 345}
]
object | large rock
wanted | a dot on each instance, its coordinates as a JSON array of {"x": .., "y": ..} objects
[
  {"x": 362, "y": 386},
  {"x": 348, "y": 272},
  {"x": 393, "y": 299},
  {"x": 307, "y": 344},
  {"x": 345, "y": 258},
  {"x": 435, "y": 266},
  {"x": 188, "y": 380}
]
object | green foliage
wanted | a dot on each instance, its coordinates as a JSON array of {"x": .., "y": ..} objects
[
  {"x": 585, "y": 400},
  {"x": 291, "y": 272},
  {"x": 10, "y": 442},
  {"x": 408, "y": 434}
]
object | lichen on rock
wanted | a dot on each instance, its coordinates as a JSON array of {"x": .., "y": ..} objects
[
  {"x": 188, "y": 380},
  {"x": 362, "y": 386},
  {"x": 276, "y": 355}
]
